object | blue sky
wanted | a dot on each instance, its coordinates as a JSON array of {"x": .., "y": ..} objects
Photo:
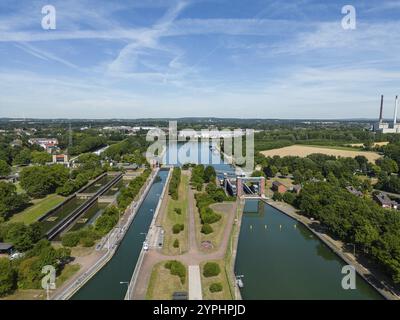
[{"x": 179, "y": 58}]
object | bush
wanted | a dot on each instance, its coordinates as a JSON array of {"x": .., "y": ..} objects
[
  {"x": 70, "y": 239},
  {"x": 177, "y": 228},
  {"x": 277, "y": 196},
  {"x": 206, "y": 229},
  {"x": 208, "y": 215},
  {"x": 216, "y": 287},
  {"x": 87, "y": 242},
  {"x": 211, "y": 269},
  {"x": 178, "y": 211},
  {"x": 176, "y": 243},
  {"x": 177, "y": 269},
  {"x": 289, "y": 197}
]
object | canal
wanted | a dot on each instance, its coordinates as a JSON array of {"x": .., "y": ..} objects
[
  {"x": 105, "y": 284},
  {"x": 279, "y": 258}
]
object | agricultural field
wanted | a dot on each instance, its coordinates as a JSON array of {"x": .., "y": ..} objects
[{"x": 304, "y": 151}]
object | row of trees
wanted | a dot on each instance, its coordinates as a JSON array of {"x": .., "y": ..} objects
[
  {"x": 201, "y": 175},
  {"x": 357, "y": 220},
  {"x": 174, "y": 183}
]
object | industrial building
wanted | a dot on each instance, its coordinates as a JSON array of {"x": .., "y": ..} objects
[{"x": 386, "y": 127}]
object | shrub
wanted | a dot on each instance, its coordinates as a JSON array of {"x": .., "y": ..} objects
[
  {"x": 70, "y": 239},
  {"x": 177, "y": 269},
  {"x": 277, "y": 196},
  {"x": 178, "y": 211},
  {"x": 206, "y": 229},
  {"x": 176, "y": 243},
  {"x": 216, "y": 287},
  {"x": 289, "y": 197},
  {"x": 211, "y": 269},
  {"x": 87, "y": 242},
  {"x": 209, "y": 216},
  {"x": 177, "y": 228}
]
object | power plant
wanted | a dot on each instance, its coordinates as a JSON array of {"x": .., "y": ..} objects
[{"x": 386, "y": 127}]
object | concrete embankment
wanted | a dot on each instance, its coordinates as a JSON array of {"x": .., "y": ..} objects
[
  {"x": 382, "y": 288},
  {"x": 109, "y": 242}
]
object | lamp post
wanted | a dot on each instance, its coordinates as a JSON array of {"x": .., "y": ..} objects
[{"x": 354, "y": 248}]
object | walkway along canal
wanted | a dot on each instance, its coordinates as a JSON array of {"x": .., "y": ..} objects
[
  {"x": 288, "y": 261},
  {"x": 106, "y": 283}
]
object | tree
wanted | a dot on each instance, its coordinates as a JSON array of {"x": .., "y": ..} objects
[
  {"x": 289, "y": 198},
  {"x": 271, "y": 171},
  {"x": 388, "y": 165},
  {"x": 41, "y": 157},
  {"x": 206, "y": 229},
  {"x": 7, "y": 277},
  {"x": 10, "y": 200},
  {"x": 39, "y": 181},
  {"x": 23, "y": 157},
  {"x": 23, "y": 237},
  {"x": 211, "y": 269},
  {"x": 209, "y": 174},
  {"x": 5, "y": 169},
  {"x": 284, "y": 171}
]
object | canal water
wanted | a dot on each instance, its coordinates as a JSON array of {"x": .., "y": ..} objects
[
  {"x": 281, "y": 259},
  {"x": 105, "y": 285}
]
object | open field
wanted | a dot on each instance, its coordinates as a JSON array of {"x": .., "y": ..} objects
[
  {"x": 172, "y": 218},
  {"x": 221, "y": 278},
  {"x": 303, "y": 151},
  {"x": 163, "y": 284},
  {"x": 39, "y": 207}
]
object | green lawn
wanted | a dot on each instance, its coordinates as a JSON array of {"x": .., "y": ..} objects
[
  {"x": 225, "y": 294},
  {"x": 68, "y": 271},
  {"x": 172, "y": 218},
  {"x": 37, "y": 209},
  {"x": 162, "y": 284}
]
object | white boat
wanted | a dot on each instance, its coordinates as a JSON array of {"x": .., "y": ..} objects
[{"x": 239, "y": 282}]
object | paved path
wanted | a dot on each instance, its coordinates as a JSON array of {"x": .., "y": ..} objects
[
  {"x": 195, "y": 292},
  {"x": 194, "y": 256}
]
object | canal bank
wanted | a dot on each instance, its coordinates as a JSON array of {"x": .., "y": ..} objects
[
  {"x": 363, "y": 272},
  {"x": 288, "y": 261},
  {"x": 109, "y": 246}
]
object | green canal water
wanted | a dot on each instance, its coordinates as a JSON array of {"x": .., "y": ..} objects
[
  {"x": 288, "y": 262},
  {"x": 105, "y": 285}
]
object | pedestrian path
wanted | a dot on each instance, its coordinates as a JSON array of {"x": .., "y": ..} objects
[{"x": 195, "y": 283}]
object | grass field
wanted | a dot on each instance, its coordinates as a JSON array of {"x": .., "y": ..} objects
[
  {"x": 221, "y": 278},
  {"x": 303, "y": 151},
  {"x": 172, "y": 218},
  {"x": 39, "y": 207},
  {"x": 215, "y": 237},
  {"x": 68, "y": 271},
  {"x": 162, "y": 284},
  {"x": 29, "y": 294}
]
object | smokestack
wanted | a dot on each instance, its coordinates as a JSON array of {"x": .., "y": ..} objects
[
  {"x": 381, "y": 113},
  {"x": 395, "y": 111}
]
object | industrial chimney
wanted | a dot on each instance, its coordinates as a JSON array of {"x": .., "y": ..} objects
[
  {"x": 381, "y": 112},
  {"x": 395, "y": 112}
]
